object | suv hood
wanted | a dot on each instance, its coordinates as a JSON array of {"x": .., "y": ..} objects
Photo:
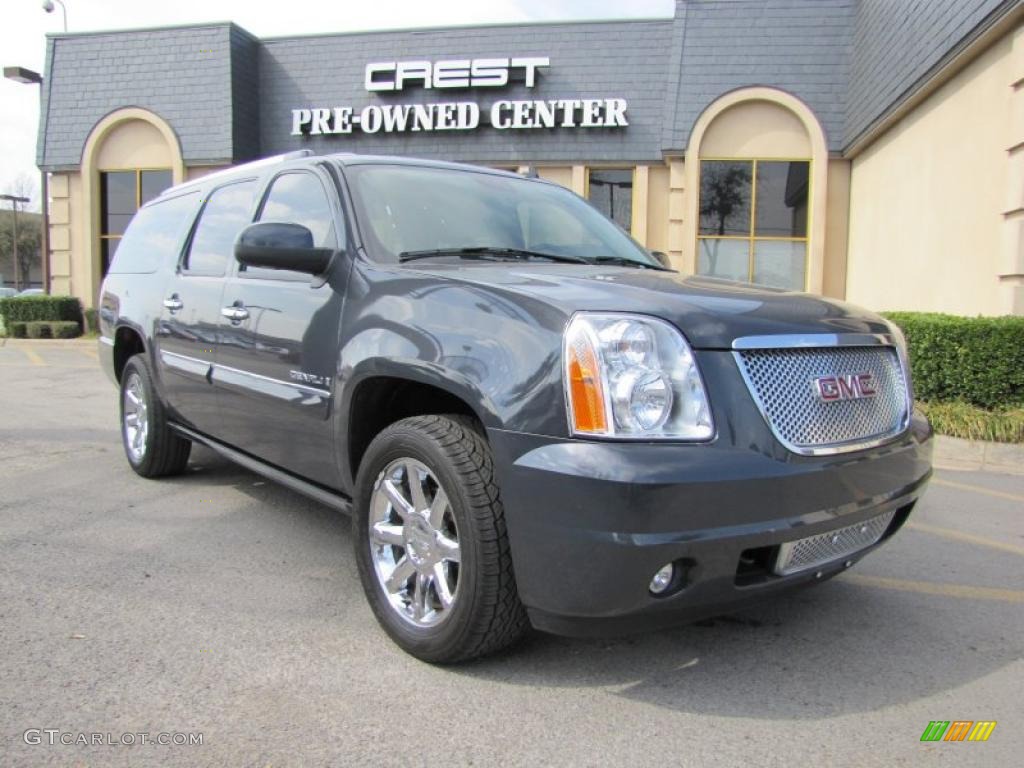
[{"x": 709, "y": 312}]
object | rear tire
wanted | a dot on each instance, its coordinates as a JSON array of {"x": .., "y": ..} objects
[
  {"x": 431, "y": 544},
  {"x": 152, "y": 448}
]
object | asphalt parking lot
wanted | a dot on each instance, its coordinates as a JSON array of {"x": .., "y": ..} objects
[{"x": 220, "y": 604}]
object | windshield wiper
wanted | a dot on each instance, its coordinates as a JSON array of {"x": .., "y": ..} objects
[
  {"x": 477, "y": 252},
  {"x": 622, "y": 261}
]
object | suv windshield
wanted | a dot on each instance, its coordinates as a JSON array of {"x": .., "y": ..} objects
[{"x": 412, "y": 211}]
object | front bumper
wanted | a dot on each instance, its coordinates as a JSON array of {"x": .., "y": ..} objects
[
  {"x": 105, "y": 353},
  {"x": 590, "y": 523}
]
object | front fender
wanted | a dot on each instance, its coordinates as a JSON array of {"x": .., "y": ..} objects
[{"x": 497, "y": 352}]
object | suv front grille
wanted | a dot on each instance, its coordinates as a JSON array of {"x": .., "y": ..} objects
[{"x": 782, "y": 382}]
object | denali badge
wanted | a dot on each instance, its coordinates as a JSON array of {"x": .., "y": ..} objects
[
  {"x": 845, "y": 386},
  {"x": 309, "y": 378}
]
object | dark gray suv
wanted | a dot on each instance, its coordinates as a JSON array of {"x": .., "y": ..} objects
[{"x": 531, "y": 420}]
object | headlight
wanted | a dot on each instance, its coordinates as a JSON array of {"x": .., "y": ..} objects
[{"x": 633, "y": 376}]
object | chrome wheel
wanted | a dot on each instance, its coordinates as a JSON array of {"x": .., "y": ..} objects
[
  {"x": 136, "y": 418},
  {"x": 414, "y": 543}
]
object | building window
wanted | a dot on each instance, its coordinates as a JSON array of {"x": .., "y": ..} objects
[
  {"x": 753, "y": 221},
  {"x": 610, "y": 190},
  {"x": 122, "y": 193}
]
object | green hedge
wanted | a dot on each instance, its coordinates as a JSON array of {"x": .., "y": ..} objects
[
  {"x": 976, "y": 360},
  {"x": 65, "y": 329},
  {"x": 40, "y": 308},
  {"x": 17, "y": 330},
  {"x": 58, "y": 329},
  {"x": 37, "y": 329}
]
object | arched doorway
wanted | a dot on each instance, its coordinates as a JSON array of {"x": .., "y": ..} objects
[
  {"x": 130, "y": 156},
  {"x": 756, "y": 173}
]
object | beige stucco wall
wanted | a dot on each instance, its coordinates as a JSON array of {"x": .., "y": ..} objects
[
  {"x": 756, "y": 128},
  {"x": 62, "y": 213},
  {"x": 133, "y": 144},
  {"x": 928, "y": 198},
  {"x": 559, "y": 174},
  {"x": 837, "y": 229},
  {"x": 657, "y": 208}
]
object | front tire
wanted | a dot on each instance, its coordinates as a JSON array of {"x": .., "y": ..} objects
[
  {"x": 430, "y": 541},
  {"x": 152, "y": 448}
]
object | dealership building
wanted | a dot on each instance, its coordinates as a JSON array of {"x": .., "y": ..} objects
[{"x": 869, "y": 150}]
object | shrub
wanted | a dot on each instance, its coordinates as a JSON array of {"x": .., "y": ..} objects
[
  {"x": 975, "y": 360},
  {"x": 973, "y": 423},
  {"x": 38, "y": 329},
  {"x": 17, "y": 330},
  {"x": 65, "y": 329},
  {"x": 92, "y": 322},
  {"x": 40, "y": 308}
]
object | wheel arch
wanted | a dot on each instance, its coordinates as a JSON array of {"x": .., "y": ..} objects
[
  {"x": 128, "y": 341},
  {"x": 388, "y": 392}
]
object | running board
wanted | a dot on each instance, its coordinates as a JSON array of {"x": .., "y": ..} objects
[{"x": 330, "y": 498}]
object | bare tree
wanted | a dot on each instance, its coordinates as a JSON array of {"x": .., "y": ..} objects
[
  {"x": 24, "y": 185},
  {"x": 29, "y": 232},
  {"x": 724, "y": 190}
]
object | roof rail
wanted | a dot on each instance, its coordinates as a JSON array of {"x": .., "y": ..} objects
[{"x": 232, "y": 170}]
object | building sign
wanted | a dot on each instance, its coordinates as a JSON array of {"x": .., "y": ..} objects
[{"x": 462, "y": 115}]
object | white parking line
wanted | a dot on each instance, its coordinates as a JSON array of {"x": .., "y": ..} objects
[
  {"x": 977, "y": 489},
  {"x": 933, "y": 588},
  {"x": 32, "y": 356},
  {"x": 968, "y": 538}
]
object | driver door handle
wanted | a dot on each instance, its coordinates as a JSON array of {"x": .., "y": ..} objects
[{"x": 173, "y": 303}]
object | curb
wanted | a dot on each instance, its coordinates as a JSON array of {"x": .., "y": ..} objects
[
  {"x": 978, "y": 455},
  {"x": 81, "y": 341}
]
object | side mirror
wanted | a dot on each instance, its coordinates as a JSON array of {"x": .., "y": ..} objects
[
  {"x": 662, "y": 258},
  {"x": 278, "y": 245}
]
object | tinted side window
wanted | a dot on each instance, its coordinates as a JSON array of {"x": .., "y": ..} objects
[
  {"x": 299, "y": 198},
  {"x": 154, "y": 236},
  {"x": 225, "y": 214}
]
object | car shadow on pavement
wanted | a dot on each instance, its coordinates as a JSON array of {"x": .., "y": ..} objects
[{"x": 834, "y": 649}]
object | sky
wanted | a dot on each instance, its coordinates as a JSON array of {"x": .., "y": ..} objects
[{"x": 24, "y": 26}]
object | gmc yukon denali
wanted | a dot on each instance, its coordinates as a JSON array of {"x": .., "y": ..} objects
[{"x": 531, "y": 420}]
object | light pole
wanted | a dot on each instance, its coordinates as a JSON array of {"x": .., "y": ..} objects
[
  {"x": 28, "y": 77},
  {"x": 14, "y": 214},
  {"x": 48, "y": 7}
]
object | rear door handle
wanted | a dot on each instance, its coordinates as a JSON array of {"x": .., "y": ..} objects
[
  {"x": 235, "y": 314},
  {"x": 173, "y": 303}
]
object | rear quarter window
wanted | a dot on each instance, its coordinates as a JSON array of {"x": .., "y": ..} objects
[{"x": 154, "y": 236}]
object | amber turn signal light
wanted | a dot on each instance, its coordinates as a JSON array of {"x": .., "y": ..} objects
[{"x": 585, "y": 390}]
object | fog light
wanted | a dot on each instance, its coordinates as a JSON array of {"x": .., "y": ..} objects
[{"x": 662, "y": 579}]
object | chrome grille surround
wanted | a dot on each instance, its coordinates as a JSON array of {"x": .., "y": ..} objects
[
  {"x": 810, "y": 552},
  {"x": 780, "y": 371}
]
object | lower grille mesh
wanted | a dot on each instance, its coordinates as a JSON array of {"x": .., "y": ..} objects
[{"x": 799, "y": 555}]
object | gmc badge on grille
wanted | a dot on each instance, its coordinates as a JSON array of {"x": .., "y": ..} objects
[{"x": 845, "y": 386}]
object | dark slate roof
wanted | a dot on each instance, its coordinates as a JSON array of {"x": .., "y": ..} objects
[
  {"x": 897, "y": 44},
  {"x": 182, "y": 74},
  {"x": 799, "y": 46}
]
